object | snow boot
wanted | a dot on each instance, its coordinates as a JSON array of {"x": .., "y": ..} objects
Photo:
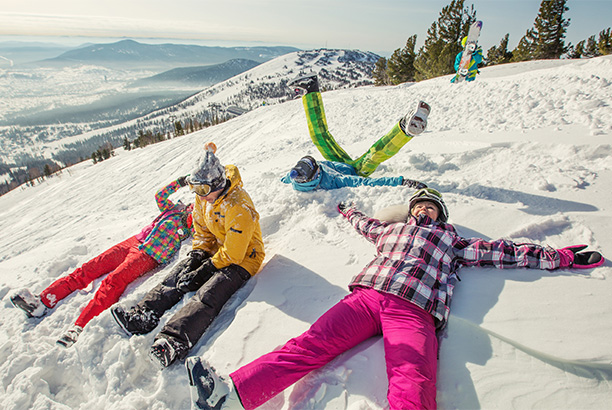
[
  {"x": 136, "y": 321},
  {"x": 165, "y": 350},
  {"x": 308, "y": 83},
  {"x": 208, "y": 390},
  {"x": 31, "y": 304},
  {"x": 415, "y": 122},
  {"x": 70, "y": 337}
]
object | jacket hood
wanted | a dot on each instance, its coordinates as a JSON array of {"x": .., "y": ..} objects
[{"x": 234, "y": 178}]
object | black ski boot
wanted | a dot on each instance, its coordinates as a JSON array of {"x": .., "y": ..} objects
[
  {"x": 31, "y": 304},
  {"x": 308, "y": 83},
  {"x": 165, "y": 350},
  {"x": 136, "y": 321}
]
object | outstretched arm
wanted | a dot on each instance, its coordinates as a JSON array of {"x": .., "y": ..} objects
[
  {"x": 162, "y": 196},
  {"x": 507, "y": 254},
  {"x": 370, "y": 228},
  {"x": 504, "y": 254}
]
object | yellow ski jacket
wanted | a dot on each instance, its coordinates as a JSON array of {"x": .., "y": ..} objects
[{"x": 229, "y": 228}]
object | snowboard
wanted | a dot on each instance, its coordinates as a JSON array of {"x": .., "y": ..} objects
[{"x": 470, "y": 47}]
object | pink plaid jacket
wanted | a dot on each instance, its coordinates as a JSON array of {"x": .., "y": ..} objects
[{"x": 418, "y": 260}]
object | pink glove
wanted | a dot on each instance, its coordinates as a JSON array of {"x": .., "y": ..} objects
[{"x": 571, "y": 257}]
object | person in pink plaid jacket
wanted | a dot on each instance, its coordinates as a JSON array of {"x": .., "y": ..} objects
[
  {"x": 403, "y": 294},
  {"x": 124, "y": 262}
]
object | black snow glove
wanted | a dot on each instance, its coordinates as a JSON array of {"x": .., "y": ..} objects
[
  {"x": 344, "y": 207},
  {"x": 197, "y": 258},
  {"x": 182, "y": 180},
  {"x": 411, "y": 183},
  {"x": 193, "y": 280}
]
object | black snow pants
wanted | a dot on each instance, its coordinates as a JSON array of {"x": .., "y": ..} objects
[{"x": 189, "y": 324}]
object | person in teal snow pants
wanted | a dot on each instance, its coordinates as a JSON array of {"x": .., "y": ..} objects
[
  {"x": 404, "y": 295},
  {"x": 340, "y": 169}
]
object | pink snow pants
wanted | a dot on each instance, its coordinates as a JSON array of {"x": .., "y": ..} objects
[
  {"x": 125, "y": 262},
  {"x": 409, "y": 340}
]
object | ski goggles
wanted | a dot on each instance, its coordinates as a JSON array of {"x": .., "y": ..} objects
[
  {"x": 200, "y": 189},
  {"x": 427, "y": 193}
]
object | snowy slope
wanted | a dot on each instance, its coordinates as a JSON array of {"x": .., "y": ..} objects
[{"x": 523, "y": 153}]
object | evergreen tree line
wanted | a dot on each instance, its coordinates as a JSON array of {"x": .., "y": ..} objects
[
  {"x": 31, "y": 170},
  {"x": 28, "y": 175},
  {"x": 545, "y": 40}
]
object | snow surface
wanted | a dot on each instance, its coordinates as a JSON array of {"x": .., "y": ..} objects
[{"x": 523, "y": 153}]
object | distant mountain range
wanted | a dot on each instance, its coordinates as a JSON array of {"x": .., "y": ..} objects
[
  {"x": 18, "y": 52},
  {"x": 199, "y": 76},
  {"x": 132, "y": 54},
  {"x": 67, "y": 112}
]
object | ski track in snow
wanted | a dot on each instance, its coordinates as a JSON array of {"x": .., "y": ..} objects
[{"x": 524, "y": 153}]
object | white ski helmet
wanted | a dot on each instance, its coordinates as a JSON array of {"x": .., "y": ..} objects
[{"x": 429, "y": 194}]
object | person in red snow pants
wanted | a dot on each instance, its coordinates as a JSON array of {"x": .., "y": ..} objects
[
  {"x": 154, "y": 245},
  {"x": 125, "y": 262},
  {"x": 410, "y": 350}
]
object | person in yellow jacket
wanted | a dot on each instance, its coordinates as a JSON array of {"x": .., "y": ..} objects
[{"x": 227, "y": 250}]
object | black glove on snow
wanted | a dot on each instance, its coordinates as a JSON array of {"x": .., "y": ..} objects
[
  {"x": 411, "y": 183},
  {"x": 193, "y": 280},
  {"x": 182, "y": 180},
  {"x": 343, "y": 207}
]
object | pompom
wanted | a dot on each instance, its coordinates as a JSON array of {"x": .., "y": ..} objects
[{"x": 210, "y": 146}]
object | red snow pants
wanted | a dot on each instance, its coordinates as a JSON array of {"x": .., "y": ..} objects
[
  {"x": 409, "y": 340},
  {"x": 125, "y": 262}
]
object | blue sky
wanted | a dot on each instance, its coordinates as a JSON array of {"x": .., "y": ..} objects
[{"x": 380, "y": 26}]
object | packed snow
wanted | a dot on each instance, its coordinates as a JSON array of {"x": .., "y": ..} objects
[{"x": 524, "y": 153}]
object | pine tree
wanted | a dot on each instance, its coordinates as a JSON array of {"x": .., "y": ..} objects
[
  {"x": 178, "y": 128},
  {"x": 545, "y": 39},
  {"x": 400, "y": 67},
  {"x": 576, "y": 51},
  {"x": 525, "y": 50},
  {"x": 380, "y": 72},
  {"x": 499, "y": 54},
  {"x": 551, "y": 28},
  {"x": 591, "y": 49},
  {"x": 604, "y": 43},
  {"x": 443, "y": 42}
]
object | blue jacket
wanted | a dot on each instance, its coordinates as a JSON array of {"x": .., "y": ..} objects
[
  {"x": 334, "y": 175},
  {"x": 473, "y": 67}
]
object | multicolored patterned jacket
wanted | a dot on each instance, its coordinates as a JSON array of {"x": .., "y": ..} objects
[
  {"x": 418, "y": 260},
  {"x": 162, "y": 238}
]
